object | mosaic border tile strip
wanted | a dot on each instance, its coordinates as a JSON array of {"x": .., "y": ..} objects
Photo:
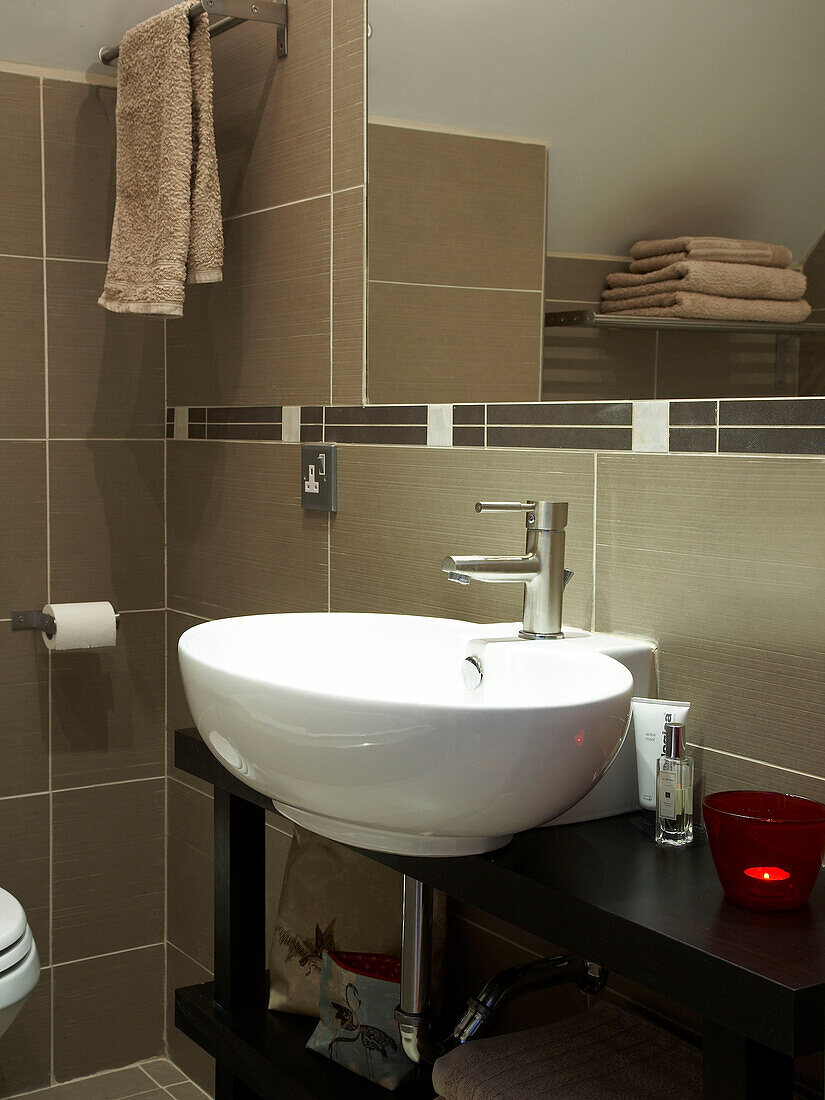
[{"x": 735, "y": 426}]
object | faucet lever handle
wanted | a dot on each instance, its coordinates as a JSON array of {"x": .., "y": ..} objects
[
  {"x": 504, "y": 506},
  {"x": 542, "y": 515}
]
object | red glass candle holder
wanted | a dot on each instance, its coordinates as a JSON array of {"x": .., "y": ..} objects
[{"x": 767, "y": 848}]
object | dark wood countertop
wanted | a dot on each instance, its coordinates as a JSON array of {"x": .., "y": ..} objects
[{"x": 604, "y": 890}]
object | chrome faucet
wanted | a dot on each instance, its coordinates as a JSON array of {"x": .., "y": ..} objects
[{"x": 540, "y": 569}]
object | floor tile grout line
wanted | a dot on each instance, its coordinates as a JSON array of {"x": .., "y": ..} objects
[{"x": 112, "y": 1072}]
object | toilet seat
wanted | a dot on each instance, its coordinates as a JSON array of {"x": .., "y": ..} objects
[
  {"x": 12, "y": 921},
  {"x": 12, "y": 955}
]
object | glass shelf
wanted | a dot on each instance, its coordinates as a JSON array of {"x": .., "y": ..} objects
[{"x": 585, "y": 318}]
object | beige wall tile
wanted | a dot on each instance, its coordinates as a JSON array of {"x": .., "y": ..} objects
[
  {"x": 719, "y": 560},
  {"x": 24, "y": 730},
  {"x": 108, "y": 1012},
  {"x": 182, "y": 971},
  {"x": 107, "y": 720},
  {"x": 24, "y": 864},
  {"x": 349, "y": 62},
  {"x": 238, "y": 541},
  {"x": 107, "y": 522},
  {"x": 577, "y": 279},
  {"x": 108, "y": 869},
  {"x": 22, "y": 410},
  {"x": 262, "y": 335},
  {"x": 23, "y": 531},
  {"x": 588, "y": 364},
  {"x": 272, "y": 118},
  {"x": 21, "y": 232},
  {"x": 105, "y": 369},
  {"x": 189, "y": 854},
  {"x": 442, "y": 344},
  {"x": 454, "y": 210},
  {"x": 401, "y": 510},
  {"x": 348, "y": 295},
  {"x": 177, "y": 709},
  {"x": 714, "y": 364},
  {"x": 79, "y": 131},
  {"x": 719, "y": 771},
  {"x": 26, "y": 1048}
]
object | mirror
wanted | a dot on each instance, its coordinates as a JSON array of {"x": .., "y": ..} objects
[{"x": 517, "y": 151}]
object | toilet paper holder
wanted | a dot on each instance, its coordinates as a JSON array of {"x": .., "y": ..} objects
[{"x": 38, "y": 620}]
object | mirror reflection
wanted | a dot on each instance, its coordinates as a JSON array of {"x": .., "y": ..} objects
[{"x": 517, "y": 153}]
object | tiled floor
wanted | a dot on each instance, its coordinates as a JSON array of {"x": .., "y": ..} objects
[{"x": 157, "y": 1079}]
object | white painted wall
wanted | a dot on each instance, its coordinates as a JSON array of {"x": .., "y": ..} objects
[{"x": 663, "y": 117}]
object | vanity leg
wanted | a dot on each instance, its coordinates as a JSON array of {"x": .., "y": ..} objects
[
  {"x": 240, "y": 917},
  {"x": 737, "y": 1068}
]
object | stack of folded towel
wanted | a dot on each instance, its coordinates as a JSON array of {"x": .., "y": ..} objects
[
  {"x": 606, "y": 1054},
  {"x": 712, "y": 278}
]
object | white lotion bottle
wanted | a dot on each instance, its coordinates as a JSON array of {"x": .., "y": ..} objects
[{"x": 650, "y": 716}]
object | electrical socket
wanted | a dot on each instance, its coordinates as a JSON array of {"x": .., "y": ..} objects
[{"x": 319, "y": 477}]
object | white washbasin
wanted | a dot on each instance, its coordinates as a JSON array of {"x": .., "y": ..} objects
[{"x": 361, "y": 728}]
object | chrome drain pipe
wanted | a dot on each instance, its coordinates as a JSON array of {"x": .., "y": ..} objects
[{"x": 414, "y": 1013}]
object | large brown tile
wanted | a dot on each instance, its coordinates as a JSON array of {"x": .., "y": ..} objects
[
  {"x": 238, "y": 541},
  {"x": 24, "y": 862},
  {"x": 117, "y": 1084},
  {"x": 105, "y": 369},
  {"x": 401, "y": 510},
  {"x": 26, "y": 1048},
  {"x": 22, "y": 410},
  {"x": 79, "y": 132},
  {"x": 182, "y": 971},
  {"x": 719, "y": 559},
  {"x": 23, "y": 531},
  {"x": 21, "y": 226},
  {"x": 573, "y": 280},
  {"x": 272, "y": 118},
  {"x": 107, "y": 707},
  {"x": 455, "y": 210},
  {"x": 349, "y": 62},
  {"x": 177, "y": 709},
  {"x": 108, "y": 1011},
  {"x": 262, "y": 335},
  {"x": 589, "y": 364},
  {"x": 348, "y": 297},
  {"x": 719, "y": 364},
  {"x": 445, "y": 344},
  {"x": 189, "y": 856},
  {"x": 107, "y": 869},
  {"x": 24, "y": 730},
  {"x": 107, "y": 522},
  {"x": 719, "y": 771}
]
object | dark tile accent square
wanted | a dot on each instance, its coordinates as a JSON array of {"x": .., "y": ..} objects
[
  {"x": 108, "y": 868},
  {"x": 580, "y": 438},
  {"x": 311, "y": 433},
  {"x": 777, "y": 412},
  {"x": 107, "y": 717},
  {"x": 107, "y": 1012},
  {"x": 614, "y": 413},
  {"x": 170, "y": 431},
  {"x": 245, "y": 414},
  {"x": 197, "y": 431},
  {"x": 198, "y": 415},
  {"x": 796, "y": 441},
  {"x": 468, "y": 414},
  {"x": 261, "y": 432},
  {"x": 693, "y": 439},
  {"x": 464, "y": 436},
  {"x": 376, "y": 414},
  {"x": 21, "y": 232},
  {"x": 170, "y": 415},
  {"x": 692, "y": 414},
  {"x": 312, "y": 414},
  {"x": 399, "y": 435}
]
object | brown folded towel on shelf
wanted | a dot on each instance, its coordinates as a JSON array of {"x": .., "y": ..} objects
[
  {"x": 710, "y": 307},
  {"x": 167, "y": 225},
  {"x": 605, "y": 1054},
  {"x": 653, "y": 255},
  {"x": 709, "y": 277}
]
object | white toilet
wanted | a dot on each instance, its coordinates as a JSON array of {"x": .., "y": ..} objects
[{"x": 19, "y": 962}]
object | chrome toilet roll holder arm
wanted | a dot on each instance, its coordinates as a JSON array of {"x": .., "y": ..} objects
[{"x": 39, "y": 620}]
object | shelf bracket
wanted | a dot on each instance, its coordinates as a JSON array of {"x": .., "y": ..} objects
[{"x": 259, "y": 11}]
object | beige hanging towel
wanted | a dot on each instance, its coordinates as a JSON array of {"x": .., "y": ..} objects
[
  {"x": 708, "y": 277},
  {"x": 652, "y": 255},
  {"x": 710, "y": 307},
  {"x": 167, "y": 227}
]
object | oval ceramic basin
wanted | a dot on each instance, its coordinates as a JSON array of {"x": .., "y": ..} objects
[{"x": 361, "y": 728}]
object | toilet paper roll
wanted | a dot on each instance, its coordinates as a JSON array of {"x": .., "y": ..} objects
[{"x": 81, "y": 626}]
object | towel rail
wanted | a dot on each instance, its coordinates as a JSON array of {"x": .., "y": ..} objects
[{"x": 236, "y": 12}]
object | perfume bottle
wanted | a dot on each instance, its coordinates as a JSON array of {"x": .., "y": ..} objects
[{"x": 674, "y": 791}]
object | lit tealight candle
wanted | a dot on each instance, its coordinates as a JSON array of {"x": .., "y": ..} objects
[{"x": 767, "y": 874}]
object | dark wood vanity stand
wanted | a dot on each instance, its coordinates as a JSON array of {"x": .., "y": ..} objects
[{"x": 602, "y": 890}]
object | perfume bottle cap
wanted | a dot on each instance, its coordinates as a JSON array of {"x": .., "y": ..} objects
[{"x": 674, "y": 739}]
